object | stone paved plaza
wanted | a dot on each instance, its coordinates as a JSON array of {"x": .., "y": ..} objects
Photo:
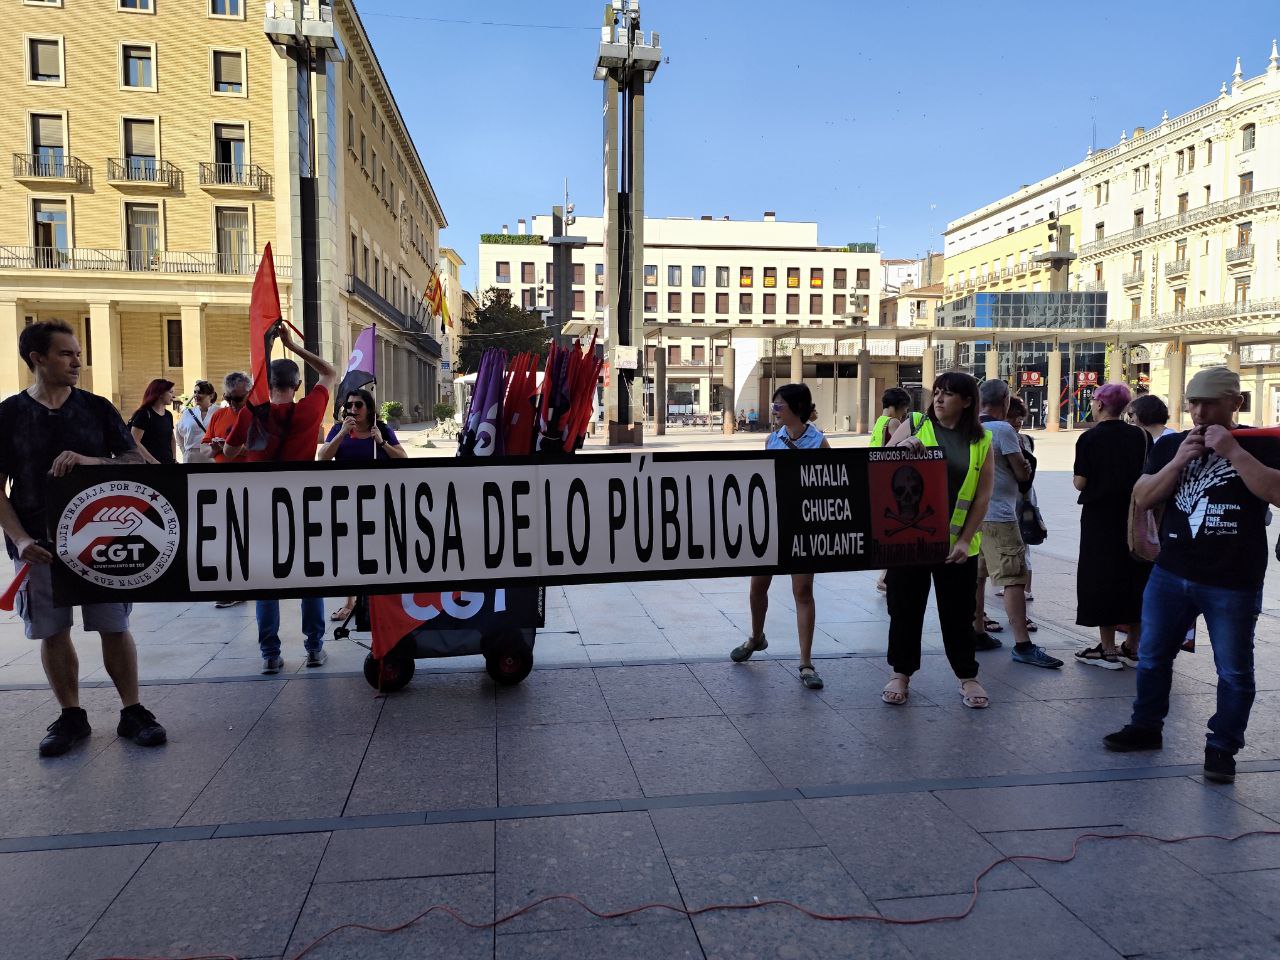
[{"x": 636, "y": 765}]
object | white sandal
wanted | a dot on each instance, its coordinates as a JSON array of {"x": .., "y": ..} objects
[
  {"x": 974, "y": 701},
  {"x": 892, "y": 694}
]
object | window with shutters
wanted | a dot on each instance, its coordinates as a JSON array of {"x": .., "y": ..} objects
[
  {"x": 770, "y": 278},
  {"x": 1184, "y": 202},
  {"x": 722, "y": 303},
  {"x": 526, "y": 273},
  {"x": 46, "y": 61},
  {"x": 229, "y": 153},
  {"x": 815, "y": 277},
  {"x": 673, "y": 303},
  {"x": 579, "y": 274},
  {"x": 48, "y": 144},
  {"x": 173, "y": 341},
  {"x": 141, "y": 158},
  {"x": 673, "y": 356},
  {"x": 699, "y": 303},
  {"x": 793, "y": 277},
  {"x": 838, "y": 304},
  {"x": 579, "y": 301},
  {"x": 793, "y": 303},
  {"x": 235, "y": 253},
  {"x": 839, "y": 278},
  {"x": 137, "y": 66},
  {"x": 502, "y": 272},
  {"x": 51, "y": 230},
  {"x": 815, "y": 304},
  {"x": 770, "y": 303},
  {"x": 746, "y": 276},
  {"x": 650, "y": 302},
  {"x": 699, "y": 354},
  {"x": 863, "y": 280},
  {"x": 744, "y": 303},
  {"x": 228, "y": 72}
]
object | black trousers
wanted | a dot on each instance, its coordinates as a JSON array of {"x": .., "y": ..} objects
[{"x": 955, "y": 586}]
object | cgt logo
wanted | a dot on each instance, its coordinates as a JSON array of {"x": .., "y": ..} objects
[{"x": 119, "y": 534}]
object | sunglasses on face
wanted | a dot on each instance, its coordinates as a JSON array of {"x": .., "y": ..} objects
[
  {"x": 777, "y": 407},
  {"x": 355, "y": 405}
]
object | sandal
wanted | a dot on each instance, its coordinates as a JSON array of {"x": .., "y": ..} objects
[
  {"x": 1097, "y": 657},
  {"x": 992, "y": 626},
  {"x": 895, "y": 691},
  {"x": 974, "y": 701},
  {"x": 743, "y": 653},
  {"x": 1031, "y": 626},
  {"x": 340, "y": 614},
  {"x": 809, "y": 677}
]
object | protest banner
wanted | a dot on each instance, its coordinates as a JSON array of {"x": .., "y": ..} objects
[{"x": 156, "y": 533}]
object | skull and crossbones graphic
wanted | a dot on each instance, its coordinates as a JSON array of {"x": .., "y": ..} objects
[{"x": 908, "y": 491}]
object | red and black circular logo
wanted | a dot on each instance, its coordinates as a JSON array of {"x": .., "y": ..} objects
[{"x": 120, "y": 534}]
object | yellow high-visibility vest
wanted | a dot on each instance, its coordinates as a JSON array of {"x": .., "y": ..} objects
[
  {"x": 877, "y": 432},
  {"x": 978, "y": 451}
]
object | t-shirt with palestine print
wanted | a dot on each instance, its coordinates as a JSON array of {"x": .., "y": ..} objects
[{"x": 1214, "y": 529}]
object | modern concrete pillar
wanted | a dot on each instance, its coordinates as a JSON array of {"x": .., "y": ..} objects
[
  {"x": 993, "y": 362},
  {"x": 1233, "y": 358},
  {"x": 928, "y": 366},
  {"x": 873, "y": 387},
  {"x": 1176, "y": 361},
  {"x": 104, "y": 323},
  {"x": 1053, "y": 391},
  {"x": 797, "y": 364},
  {"x": 729, "y": 376},
  {"x": 861, "y": 423},
  {"x": 194, "y": 346},
  {"x": 660, "y": 391},
  {"x": 1116, "y": 372},
  {"x": 13, "y": 370}
]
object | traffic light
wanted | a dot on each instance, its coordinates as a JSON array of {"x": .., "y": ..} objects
[{"x": 1053, "y": 230}]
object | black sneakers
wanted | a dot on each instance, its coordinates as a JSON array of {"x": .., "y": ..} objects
[
  {"x": 1133, "y": 738},
  {"x": 138, "y": 724},
  {"x": 985, "y": 641},
  {"x": 65, "y": 732},
  {"x": 1219, "y": 766}
]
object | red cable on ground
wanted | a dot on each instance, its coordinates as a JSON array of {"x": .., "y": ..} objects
[{"x": 753, "y": 905}]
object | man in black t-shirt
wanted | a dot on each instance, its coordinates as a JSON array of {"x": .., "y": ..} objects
[
  {"x": 51, "y": 428},
  {"x": 1216, "y": 492}
]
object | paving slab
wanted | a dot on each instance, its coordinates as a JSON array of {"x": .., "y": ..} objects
[
  {"x": 553, "y": 696},
  {"x": 812, "y": 878},
  {"x": 882, "y": 841},
  {"x": 612, "y": 860},
  {"x": 621, "y": 940},
  {"x": 732, "y": 828},
  {"x": 1005, "y": 925},
  {"x": 692, "y": 755},
  {"x": 237, "y": 896},
  {"x": 52, "y": 898},
  {"x": 654, "y": 692},
  {"x": 815, "y": 749},
  {"x": 561, "y": 763},
  {"x": 389, "y": 903},
  {"x": 437, "y": 849},
  {"x": 407, "y": 769}
]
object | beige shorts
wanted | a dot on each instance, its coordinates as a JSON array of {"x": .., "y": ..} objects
[{"x": 1004, "y": 556}]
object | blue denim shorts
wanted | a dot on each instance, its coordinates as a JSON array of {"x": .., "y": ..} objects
[{"x": 42, "y": 619}]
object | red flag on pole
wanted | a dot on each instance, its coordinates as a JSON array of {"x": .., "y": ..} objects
[{"x": 264, "y": 311}]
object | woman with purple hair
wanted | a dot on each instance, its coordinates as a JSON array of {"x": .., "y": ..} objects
[{"x": 1109, "y": 582}]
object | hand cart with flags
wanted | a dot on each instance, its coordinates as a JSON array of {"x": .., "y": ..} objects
[{"x": 499, "y": 624}]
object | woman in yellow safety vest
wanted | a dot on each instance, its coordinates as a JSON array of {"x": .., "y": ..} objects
[{"x": 952, "y": 425}]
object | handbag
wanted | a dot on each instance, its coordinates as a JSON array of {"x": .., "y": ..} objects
[
  {"x": 1144, "y": 532},
  {"x": 1031, "y": 524}
]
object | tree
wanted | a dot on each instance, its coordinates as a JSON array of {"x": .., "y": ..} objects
[{"x": 500, "y": 323}]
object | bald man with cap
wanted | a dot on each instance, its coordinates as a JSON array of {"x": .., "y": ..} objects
[{"x": 1215, "y": 492}]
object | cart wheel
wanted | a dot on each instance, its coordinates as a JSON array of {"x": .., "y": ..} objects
[
  {"x": 507, "y": 658},
  {"x": 341, "y": 633},
  {"x": 389, "y": 674}
]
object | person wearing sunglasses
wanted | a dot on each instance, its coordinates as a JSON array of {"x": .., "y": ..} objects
[
  {"x": 236, "y": 387},
  {"x": 359, "y": 436},
  {"x": 194, "y": 423},
  {"x": 794, "y": 409}
]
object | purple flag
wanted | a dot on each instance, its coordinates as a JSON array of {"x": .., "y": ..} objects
[{"x": 361, "y": 368}]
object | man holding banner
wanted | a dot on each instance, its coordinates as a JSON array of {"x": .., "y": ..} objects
[
  {"x": 284, "y": 431},
  {"x": 51, "y": 428}
]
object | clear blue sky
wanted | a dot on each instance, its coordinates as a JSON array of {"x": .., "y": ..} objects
[{"x": 822, "y": 110}]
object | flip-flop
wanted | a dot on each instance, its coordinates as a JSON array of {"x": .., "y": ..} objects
[
  {"x": 993, "y": 626},
  {"x": 340, "y": 614},
  {"x": 1031, "y": 626},
  {"x": 809, "y": 677},
  {"x": 892, "y": 694},
  {"x": 974, "y": 701}
]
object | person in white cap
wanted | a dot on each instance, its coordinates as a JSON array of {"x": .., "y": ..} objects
[{"x": 1215, "y": 492}]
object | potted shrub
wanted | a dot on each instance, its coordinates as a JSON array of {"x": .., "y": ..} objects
[
  {"x": 392, "y": 411},
  {"x": 444, "y": 411}
]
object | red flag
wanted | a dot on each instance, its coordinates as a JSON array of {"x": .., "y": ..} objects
[
  {"x": 389, "y": 623},
  {"x": 264, "y": 311}
]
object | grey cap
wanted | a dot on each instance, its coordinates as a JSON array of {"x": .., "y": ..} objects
[{"x": 1213, "y": 383}]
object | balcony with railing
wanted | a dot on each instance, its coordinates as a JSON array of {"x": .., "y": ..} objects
[
  {"x": 50, "y": 168},
  {"x": 1176, "y": 269},
  {"x": 414, "y": 323},
  {"x": 1132, "y": 279},
  {"x": 1223, "y": 209},
  {"x": 234, "y": 178},
  {"x": 142, "y": 172},
  {"x": 1210, "y": 316},
  {"x": 1094, "y": 286},
  {"x": 170, "y": 262},
  {"x": 1240, "y": 255}
]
